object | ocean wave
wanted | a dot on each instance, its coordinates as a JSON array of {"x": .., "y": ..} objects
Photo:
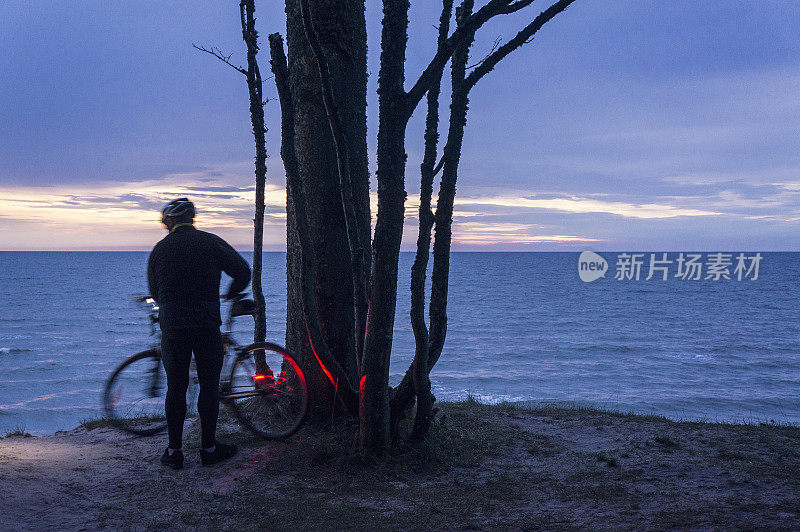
[
  {"x": 13, "y": 351},
  {"x": 610, "y": 348}
]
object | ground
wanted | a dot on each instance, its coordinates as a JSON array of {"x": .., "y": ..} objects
[{"x": 482, "y": 467}]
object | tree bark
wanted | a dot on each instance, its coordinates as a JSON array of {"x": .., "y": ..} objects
[
  {"x": 462, "y": 84},
  {"x": 255, "y": 86},
  {"x": 354, "y": 239},
  {"x": 422, "y": 382},
  {"x": 323, "y": 358},
  {"x": 341, "y": 28},
  {"x": 440, "y": 275},
  {"x": 395, "y": 107},
  {"x": 392, "y": 121}
]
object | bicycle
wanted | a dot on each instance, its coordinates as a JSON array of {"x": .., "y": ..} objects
[{"x": 271, "y": 406}]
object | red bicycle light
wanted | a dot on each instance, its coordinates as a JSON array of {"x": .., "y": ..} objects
[{"x": 259, "y": 377}]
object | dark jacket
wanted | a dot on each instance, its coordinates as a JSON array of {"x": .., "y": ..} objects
[{"x": 183, "y": 273}]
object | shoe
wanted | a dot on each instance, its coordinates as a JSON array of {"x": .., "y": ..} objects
[
  {"x": 174, "y": 460},
  {"x": 223, "y": 451}
]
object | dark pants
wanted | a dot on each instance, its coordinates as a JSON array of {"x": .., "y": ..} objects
[{"x": 177, "y": 346}]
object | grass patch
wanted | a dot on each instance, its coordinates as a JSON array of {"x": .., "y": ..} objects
[
  {"x": 569, "y": 409},
  {"x": 96, "y": 423},
  {"x": 18, "y": 432},
  {"x": 607, "y": 458},
  {"x": 140, "y": 421},
  {"x": 463, "y": 435},
  {"x": 666, "y": 442},
  {"x": 331, "y": 484}
]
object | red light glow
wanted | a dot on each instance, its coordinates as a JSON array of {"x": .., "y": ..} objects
[
  {"x": 324, "y": 369},
  {"x": 259, "y": 377}
]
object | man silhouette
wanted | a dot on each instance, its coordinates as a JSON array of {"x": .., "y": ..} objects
[{"x": 183, "y": 273}]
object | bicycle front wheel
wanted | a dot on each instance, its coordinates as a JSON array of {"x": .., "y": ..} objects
[
  {"x": 268, "y": 391},
  {"x": 134, "y": 395}
]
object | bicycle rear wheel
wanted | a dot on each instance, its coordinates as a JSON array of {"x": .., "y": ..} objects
[
  {"x": 267, "y": 391},
  {"x": 134, "y": 395}
]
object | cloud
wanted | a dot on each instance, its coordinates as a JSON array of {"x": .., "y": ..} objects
[
  {"x": 576, "y": 204},
  {"x": 499, "y": 233},
  {"x": 794, "y": 187},
  {"x": 125, "y": 215},
  {"x": 210, "y": 189}
]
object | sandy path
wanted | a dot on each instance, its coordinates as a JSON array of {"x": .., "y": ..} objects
[{"x": 77, "y": 480}]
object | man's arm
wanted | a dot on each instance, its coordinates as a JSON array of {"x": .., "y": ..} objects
[
  {"x": 235, "y": 266},
  {"x": 152, "y": 282}
]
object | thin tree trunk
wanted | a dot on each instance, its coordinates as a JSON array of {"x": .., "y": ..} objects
[
  {"x": 393, "y": 118},
  {"x": 297, "y": 203},
  {"x": 254, "y": 86},
  {"x": 395, "y": 107},
  {"x": 447, "y": 190},
  {"x": 422, "y": 382},
  {"x": 403, "y": 393},
  {"x": 462, "y": 85}
]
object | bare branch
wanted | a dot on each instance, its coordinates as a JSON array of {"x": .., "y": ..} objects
[
  {"x": 216, "y": 52},
  {"x": 436, "y": 65},
  {"x": 496, "y": 44},
  {"x": 492, "y": 9},
  {"x": 516, "y": 6},
  {"x": 523, "y": 37}
]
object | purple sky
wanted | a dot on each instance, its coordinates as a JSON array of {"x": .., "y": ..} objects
[{"x": 625, "y": 125}]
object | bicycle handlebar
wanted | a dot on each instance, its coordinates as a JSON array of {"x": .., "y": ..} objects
[
  {"x": 142, "y": 298},
  {"x": 237, "y": 297}
]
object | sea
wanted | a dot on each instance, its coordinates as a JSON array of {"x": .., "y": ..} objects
[{"x": 522, "y": 327}]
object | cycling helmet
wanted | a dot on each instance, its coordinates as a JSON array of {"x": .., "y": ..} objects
[{"x": 178, "y": 209}]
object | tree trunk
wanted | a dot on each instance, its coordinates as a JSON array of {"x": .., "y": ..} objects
[
  {"x": 422, "y": 381},
  {"x": 255, "y": 88},
  {"x": 341, "y": 28},
  {"x": 403, "y": 394},
  {"x": 447, "y": 190},
  {"x": 393, "y": 118},
  {"x": 429, "y": 342},
  {"x": 354, "y": 239},
  {"x": 321, "y": 231},
  {"x": 324, "y": 360}
]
